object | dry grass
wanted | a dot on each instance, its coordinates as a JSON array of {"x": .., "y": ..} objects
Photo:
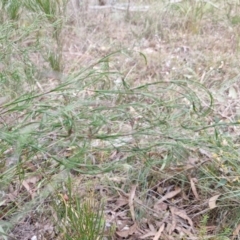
[{"x": 130, "y": 118}]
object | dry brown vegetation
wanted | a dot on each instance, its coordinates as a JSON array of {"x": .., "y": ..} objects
[{"x": 148, "y": 99}]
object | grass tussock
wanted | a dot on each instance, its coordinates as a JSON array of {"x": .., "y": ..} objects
[{"x": 122, "y": 124}]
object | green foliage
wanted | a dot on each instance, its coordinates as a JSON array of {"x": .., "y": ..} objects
[
  {"x": 203, "y": 230},
  {"x": 12, "y": 8},
  {"x": 79, "y": 219},
  {"x": 56, "y": 121}
]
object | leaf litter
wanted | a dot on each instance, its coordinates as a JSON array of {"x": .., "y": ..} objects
[{"x": 171, "y": 210}]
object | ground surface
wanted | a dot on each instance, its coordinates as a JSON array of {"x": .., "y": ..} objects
[{"x": 149, "y": 134}]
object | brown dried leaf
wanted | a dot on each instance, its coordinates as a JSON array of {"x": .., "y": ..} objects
[
  {"x": 184, "y": 196},
  {"x": 169, "y": 195},
  {"x": 194, "y": 189},
  {"x": 205, "y": 153},
  {"x": 152, "y": 228},
  {"x": 120, "y": 203},
  {"x": 168, "y": 227},
  {"x": 147, "y": 235},
  {"x": 110, "y": 218},
  {"x": 30, "y": 167},
  {"x": 131, "y": 198},
  {"x": 29, "y": 184},
  {"x": 174, "y": 221},
  {"x": 121, "y": 192},
  {"x": 167, "y": 237},
  {"x": 182, "y": 214},
  {"x": 12, "y": 196},
  {"x": 127, "y": 231},
  {"x": 160, "y": 190},
  {"x": 65, "y": 197},
  {"x": 33, "y": 180},
  {"x": 185, "y": 232},
  {"x": 212, "y": 201},
  {"x": 159, "y": 232},
  {"x": 236, "y": 232},
  {"x": 2, "y": 203},
  {"x": 160, "y": 207},
  {"x": 27, "y": 187}
]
